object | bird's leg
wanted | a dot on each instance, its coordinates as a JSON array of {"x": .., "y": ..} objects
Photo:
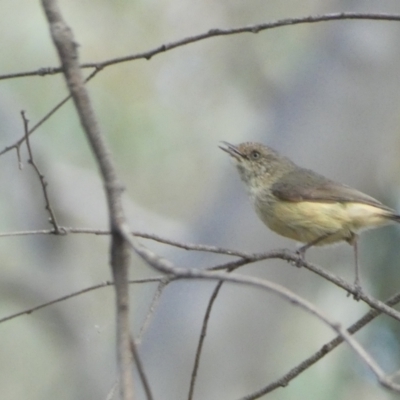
[
  {"x": 302, "y": 250},
  {"x": 357, "y": 286}
]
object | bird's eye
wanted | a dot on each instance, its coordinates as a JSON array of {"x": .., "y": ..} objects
[{"x": 255, "y": 155}]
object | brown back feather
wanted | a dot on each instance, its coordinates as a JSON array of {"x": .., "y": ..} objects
[{"x": 315, "y": 187}]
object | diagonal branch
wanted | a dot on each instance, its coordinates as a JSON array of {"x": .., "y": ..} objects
[
  {"x": 153, "y": 305},
  {"x": 294, "y": 258},
  {"x": 165, "y": 266},
  {"x": 325, "y": 349},
  {"x": 140, "y": 367},
  {"x": 67, "y": 50},
  {"x": 75, "y": 294},
  {"x": 202, "y": 338}
]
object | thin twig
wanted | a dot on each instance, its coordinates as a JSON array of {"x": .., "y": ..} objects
[
  {"x": 192, "y": 246},
  {"x": 156, "y": 299},
  {"x": 66, "y": 46},
  {"x": 203, "y": 333},
  {"x": 150, "y": 236},
  {"x": 42, "y": 179},
  {"x": 202, "y": 338},
  {"x": 112, "y": 391},
  {"x": 75, "y": 294},
  {"x": 18, "y": 150},
  {"x": 141, "y": 370},
  {"x": 256, "y": 28}
]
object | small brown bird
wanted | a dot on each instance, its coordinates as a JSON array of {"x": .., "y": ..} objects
[{"x": 302, "y": 205}]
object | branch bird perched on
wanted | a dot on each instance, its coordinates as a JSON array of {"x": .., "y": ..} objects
[{"x": 302, "y": 205}]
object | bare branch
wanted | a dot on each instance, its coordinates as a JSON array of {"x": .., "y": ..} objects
[
  {"x": 67, "y": 50},
  {"x": 246, "y": 258},
  {"x": 202, "y": 338},
  {"x": 165, "y": 266},
  {"x": 141, "y": 370},
  {"x": 112, "y": 391},
  {"x": 325, "y": 349},
  {"x": 256, "y": 28},
  {"x": 203, "y": 333},
  {"x": 296, "y": 371},
  {"x": 297, "y": 301},
  {"x": 75, "y": 294},
  {"x": 42, "y": 179},
  {"x": 40, "y": 72},
  {"x": 156, "y": 299},
  {"x": 144, "y": 235},
  {"x": 294, "y": 259}
]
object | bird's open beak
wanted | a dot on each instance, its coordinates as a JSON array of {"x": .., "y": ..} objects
[{"x": 231, "y": 150}]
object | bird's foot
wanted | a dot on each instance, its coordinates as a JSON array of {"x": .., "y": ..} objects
[
  {"x": 300, "y": 253},
  {"x": 357, "y": 291}
]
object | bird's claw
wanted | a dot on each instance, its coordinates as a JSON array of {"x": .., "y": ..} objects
[
  {"x": 300, "y": 253},
  {"x": 357, "y": 292}
]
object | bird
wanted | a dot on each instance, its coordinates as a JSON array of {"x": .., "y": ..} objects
[{"x": 303, "y": 205}]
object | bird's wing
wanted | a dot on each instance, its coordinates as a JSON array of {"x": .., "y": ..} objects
[{"x": 315, "y": 187}]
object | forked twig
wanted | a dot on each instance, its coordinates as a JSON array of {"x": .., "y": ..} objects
[
  {"x": 42, "y": 179},
  {"x": 20, "y": 141}
]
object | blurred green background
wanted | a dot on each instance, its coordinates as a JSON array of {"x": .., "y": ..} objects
[{"x": 327, "y": 95}]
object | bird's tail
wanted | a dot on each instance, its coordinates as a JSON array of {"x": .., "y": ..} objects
[{"x": 395, "y": 217}]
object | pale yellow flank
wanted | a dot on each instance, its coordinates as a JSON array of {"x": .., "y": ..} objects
[{"x": 306, "y": 221}]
